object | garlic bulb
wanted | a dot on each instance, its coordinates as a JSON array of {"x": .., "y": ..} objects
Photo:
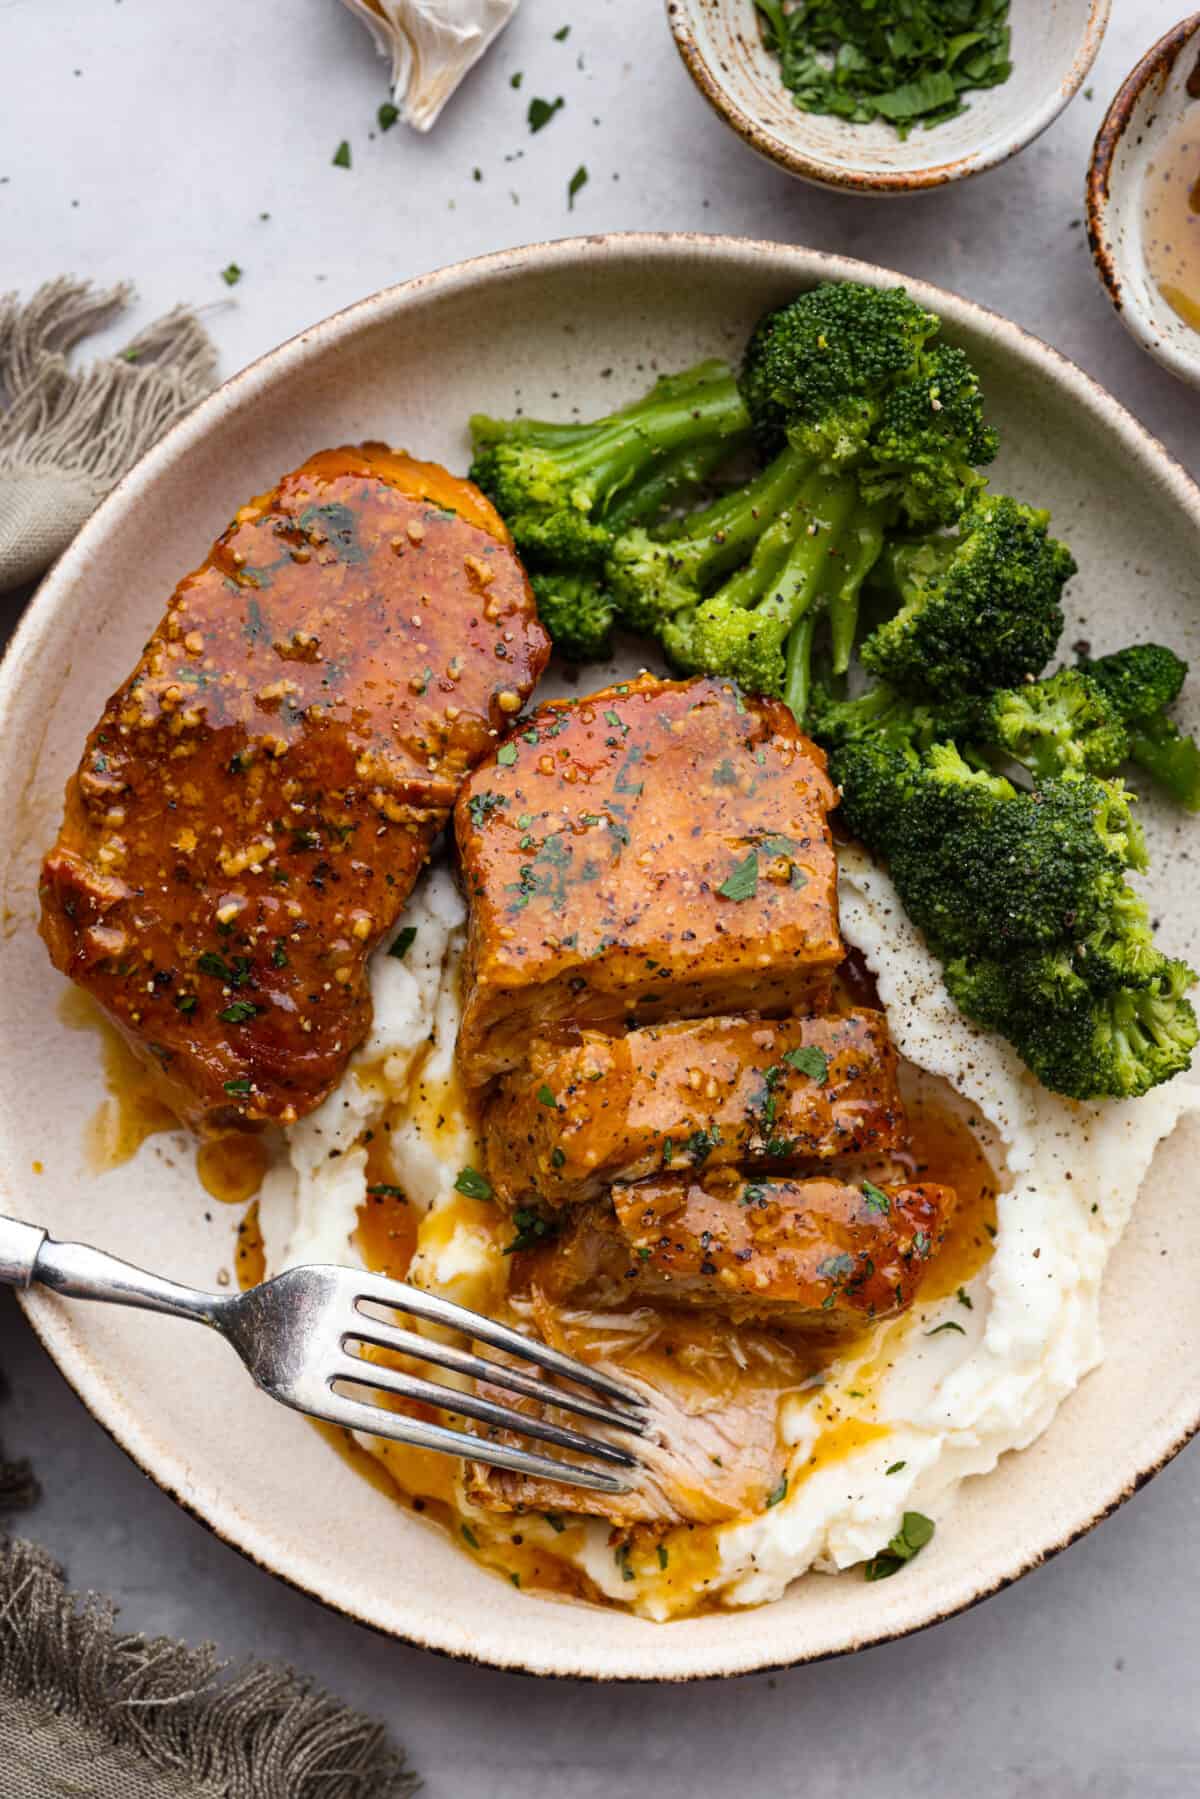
[{"x": 432, "y": 44}]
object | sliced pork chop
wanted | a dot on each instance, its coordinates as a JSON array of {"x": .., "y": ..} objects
[
  {"x": 699, "y": 1093},
  {"x": 660, "y": 849}
]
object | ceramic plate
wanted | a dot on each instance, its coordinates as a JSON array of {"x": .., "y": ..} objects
[{"x": 539, "y": 328}]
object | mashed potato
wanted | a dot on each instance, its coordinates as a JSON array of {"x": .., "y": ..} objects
[{"x": 917, "y": 1412}]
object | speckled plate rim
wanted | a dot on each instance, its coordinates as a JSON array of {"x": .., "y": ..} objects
[
  {"x": 880, "y": 182},
  {"x": 1159, "y": 60},
  {"x": 167, "y": 1464}
]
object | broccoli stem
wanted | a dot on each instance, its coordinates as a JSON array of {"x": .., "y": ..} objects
[
  {"x": 733, "y": 527},
  {"x": 864, "y": 544},
  {"x": 1168, "y": 757},
  {"x": 671, "y": 479},
  {"x": 798, "y": 681},
  {"x": 694, "y": 407},
  {"x": 831, "y": 503}
]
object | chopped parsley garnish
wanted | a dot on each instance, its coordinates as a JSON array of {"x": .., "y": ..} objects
[
  {"x": 516, "y": 78},
  {"x": 949, "y": 1325},
  {"x": 724, "y": 774},
  {"x": 506, "y": 755},
  {"x": 403, "y": 941},
  {"x": 480, "y": 806},
  {"x": 385, "y": 1190},
  {"x": 836, "y": 1269},
  {"x": 469, "y": 1536},
  {"x": 546, "y": 1097},
  {"x": 234, "y": 974},
  {"x": 896, "y": 1467},
  {"x": 238, "y": 1088},
  {"x": 578, "y": 180},
  {"x": 808, "y": 1059},
  {"x": 231, "y": 274},
  {"x": 387, "y": 115},
  {"x": 185, "y": 1002},
  {"x": 239, "y": 1012},
  {"x": 561, "y": 35},
  {"x": 473, "y": 1184},
  {"x": 542, "y": 111},
  {"x": 341, "y": 156},
  {"x": 532, "y": 1229},
  {"x": 914, "y": 1532},
  {"x": 663, "y": 1557},
  {"x": 279, "y": 956},
  {"x": 777, "y": 1493},
  {"x": 621, "y": 1558},
  {"x": 557, "y": 1158},
  {"x": 877, "y": 1200},
  {"x": 905, "y": 61},
  {"x": 964, "y": 1299},
  {"x": 742, "y": 884}
]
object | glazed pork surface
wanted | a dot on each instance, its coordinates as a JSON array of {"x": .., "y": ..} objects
[
  {"x": 252, "y": 809},
  {"x": 658, "y": 850},
  {"x": 696, "y": 1093},
  {"x": 817, "y": 1253}
]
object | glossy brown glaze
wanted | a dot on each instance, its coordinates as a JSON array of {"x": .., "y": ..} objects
[
  {"x": 708, "y": 1092},
  {"x": 817, "y": 1253},
  {"x": 659, "y": 849},
  {"x": 253, "y": 807}
]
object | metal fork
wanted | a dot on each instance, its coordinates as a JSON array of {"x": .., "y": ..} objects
[{"x": 294, "y": 1334}]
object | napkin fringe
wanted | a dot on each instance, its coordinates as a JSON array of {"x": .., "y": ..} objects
[
  {"x": 98, "y": 420},
  {"x": 263, "y": 1731}
]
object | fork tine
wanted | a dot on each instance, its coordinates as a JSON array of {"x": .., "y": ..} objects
[
  {"x": 400, "y": 1297},
  {"x": 499, "y": 1374},
  {"x": 355, "y": 1414},
  {"x": 471, "y": 1405}
]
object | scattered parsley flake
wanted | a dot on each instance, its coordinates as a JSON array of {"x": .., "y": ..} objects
[
  {"x": 506, "y": 755},
  {"x": 387, "y": 115},
  {"x": 896, "y": 1467},
  {"x": 231, "y": 274},
  {"x": 542, "y": 111},
  {"x": 914, "y": 1532},
  {"x": 949, "y": 1325},
  {"x": 964, "y": 1299},
  {"x": 877, "y": 1200},
  {"x": 341, "y": 156},
  {"x": 562, "y": 34},
  {"x": 469, "y": 1536},
  {"x": 809, "y": 1060},
  {"x": 663, "y": 1557},
  {"x": 239, "y": 1012},
  {"x": 577, "y": 181},
  {"x": 742, "y": 884},
  {"x": 238, "y": 1088},
  {"x": 777, "y": 1493},
  {"x": 472, "y": 1184},
  {"x": 545, "y": 1096}
]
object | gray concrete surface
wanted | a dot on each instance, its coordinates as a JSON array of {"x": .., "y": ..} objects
[{"x": 145, "y": 137}]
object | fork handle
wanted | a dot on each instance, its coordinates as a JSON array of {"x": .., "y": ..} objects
[{"x": 28, "y": 1254}]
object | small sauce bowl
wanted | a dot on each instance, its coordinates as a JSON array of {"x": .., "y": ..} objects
[
  {"x": 1054, "y": 43},
  {"x": 1143, "y": 126}
]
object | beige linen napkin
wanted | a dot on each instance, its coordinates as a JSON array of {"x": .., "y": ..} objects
[
  {"x": 86, "y": 1713},
  {"x": 68, "y": 434}
]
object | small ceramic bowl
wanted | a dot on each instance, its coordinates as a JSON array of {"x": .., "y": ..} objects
[
  {"x": 1054, "y": 43},
  {"x": 1141, "y": 128}
]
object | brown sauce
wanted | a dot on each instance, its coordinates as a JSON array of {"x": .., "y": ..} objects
[
  {"x": 1171, "y": 219},
  {"x": 693, "y": 1349},
  {"x": 132, "y": 1111},
  {"x": 231, "y": 1167}
]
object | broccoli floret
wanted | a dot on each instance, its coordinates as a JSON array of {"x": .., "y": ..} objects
[
  {"x": 1023, "y": 895},
  {"x": 983, "y": 867},
  {"x": 577, "y": 610},
  {"x": 1086, "y": 1043},
  {"x": 556, "y": 485},
  {"x": 930, "y": 440},
  {"x": 816, "y": 371},
  {"x": 1141, "y": 682},
  {"x": 852, "y": 376},
  {"x": 1057, "y": 726},
  {"x": 979, "y": 608}
]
